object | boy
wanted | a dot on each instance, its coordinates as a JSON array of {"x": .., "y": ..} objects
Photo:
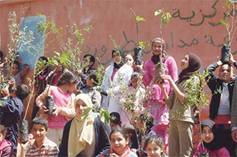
[
  {"x": 91, "y": 89},
  {"x": 42, "y": 146}
]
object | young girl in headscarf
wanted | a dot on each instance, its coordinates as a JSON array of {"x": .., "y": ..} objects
[
  {"x": 84, "y": 135},
  {"x": 180, "y": 113},
  {"x": 211, "y": 143}
]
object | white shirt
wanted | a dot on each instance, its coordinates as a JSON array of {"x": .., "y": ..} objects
[{"x": 224, "y": 107}]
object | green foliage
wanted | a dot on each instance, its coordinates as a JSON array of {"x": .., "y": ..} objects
[
  {"x": 18, "y": 39},
  {"x": 196, "y": 97},
  {"x": 139, "y": 19},
  {"x": 48, "y": 26},
  {"x": 143, "y": 44},
  {"x": 100, "y": 73},
  {"x": 195, "y": 93},
  {"x": 165, "y": 17},
  {"x": 104, "y": 115},
  {"x": 224, "y": 22},
  {"x": 128, "y": 104},
  {"x": 85, "y": 113}
]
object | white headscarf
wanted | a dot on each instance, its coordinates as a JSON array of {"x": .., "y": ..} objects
[{"x": 81, "y": 133}]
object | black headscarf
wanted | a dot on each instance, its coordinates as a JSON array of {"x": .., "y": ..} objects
[
  {"x": 194, "y": 64},
  {"x": 117, "y": 66},
  {"x": 216, "y": 143},
  {"x": 119, "y": 52}
]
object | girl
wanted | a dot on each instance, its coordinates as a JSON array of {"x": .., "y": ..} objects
[
  {"x": 133, "y": 96},
  {"x": 5, "y": 146},
  {"x": 85, "y": 135},
  {"x": 62, "y": 96},
  {"x": 154, "y": 146},
  {"x": 116, "y": 76},
  {"x": 211, "y": 144},
  {"x": 119, "y": 140},
  {"x": 180, "y": 113},
  {"x": 155, "y": 97}
]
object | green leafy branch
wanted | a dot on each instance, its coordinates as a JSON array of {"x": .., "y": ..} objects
[
  {"x": 165, "y": 18},
  {"x": 139, "y": 19},
  {"x": 196, "y": 97},
  {"x": 229, "y": 21},
  {"x": 18, "y": 39},
  {"x": 195, "y": 93}
]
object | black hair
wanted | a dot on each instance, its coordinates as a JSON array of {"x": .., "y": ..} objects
[
  {"x": 136, "y": 75},
  {"x": 43, "y": 58},
  {"x": 17, "y": 63},
  {"x": 138, "y": 55},
  {"x": 39, "y": 121},
  {"x": 94, "y": 78},
  {"x": 1, "y": 56},
  {"x": 22, "y": 91},
  {"x": 122, "y": 131},
  {"x": 66, "y": 78},
  {"x": 148, "y": 121},
  {"x": 153, "y": 139},
  {"x": 115, "y": 118},
  {"x": 118, "y": 51},
  {"x": 91, "y": 57}
]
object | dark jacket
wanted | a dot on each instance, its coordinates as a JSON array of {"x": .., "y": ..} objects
[
  {"x": 101, "y": 135},
  {"x": 216, "y": 86},
  {"x": 12, "y": 110}
]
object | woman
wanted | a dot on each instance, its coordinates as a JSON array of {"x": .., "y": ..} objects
[
  {"x": 61, "y": 101},
  {"x": 117, "y": 76},
  {"x": 180, "y": 113},
  {"x": 85, "y": 135}
]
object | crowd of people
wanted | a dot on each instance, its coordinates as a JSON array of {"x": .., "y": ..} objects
[{"x": 147, "y": 101}]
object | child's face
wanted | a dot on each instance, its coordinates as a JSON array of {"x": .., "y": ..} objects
[
  {"x": 118, "y": 143},
  {"x": 135, "y": 81},
  {"x": 71, "y": 87},
  {"x": 2, "y": 136},
  {"x": 89, "y": 82},
  {"x": 39, "y": 132},
  {"x": 207, "y": 134},
  {"x": 80, "y": 108},
  {"x": 153, "y": 150},
  {"x": 157, "y": 48}
]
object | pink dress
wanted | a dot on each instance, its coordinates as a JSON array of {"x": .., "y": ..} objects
[
  {"x": 149, "y": 70},
  {"x": 61, "y": 99},
  {"x": 5, "y": 148},
  {"x": 155, "y": 102}
]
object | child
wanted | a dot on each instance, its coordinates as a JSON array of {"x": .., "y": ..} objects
[
  {"x": 12, "y": 110},
  {"x": 91, "y": 89},
  {"x": 5, "y": 146},
  {"x": 210, "y": 144},
  {"x": 119, "y": 141},
  {"x": 42, "y": 146},
  {"x": 154, "y": 146},
  {"x": 115, "y": 121}
]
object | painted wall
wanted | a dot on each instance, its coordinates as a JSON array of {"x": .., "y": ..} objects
[{"x": 193, "y": 28}]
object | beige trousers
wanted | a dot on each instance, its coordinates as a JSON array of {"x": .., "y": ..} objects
[
  {"x": 55, "y": 135},
  {"x": 180, "y": 138}
]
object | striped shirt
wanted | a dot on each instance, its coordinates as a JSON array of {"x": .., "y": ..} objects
[{"x": 48, "y": 149}]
